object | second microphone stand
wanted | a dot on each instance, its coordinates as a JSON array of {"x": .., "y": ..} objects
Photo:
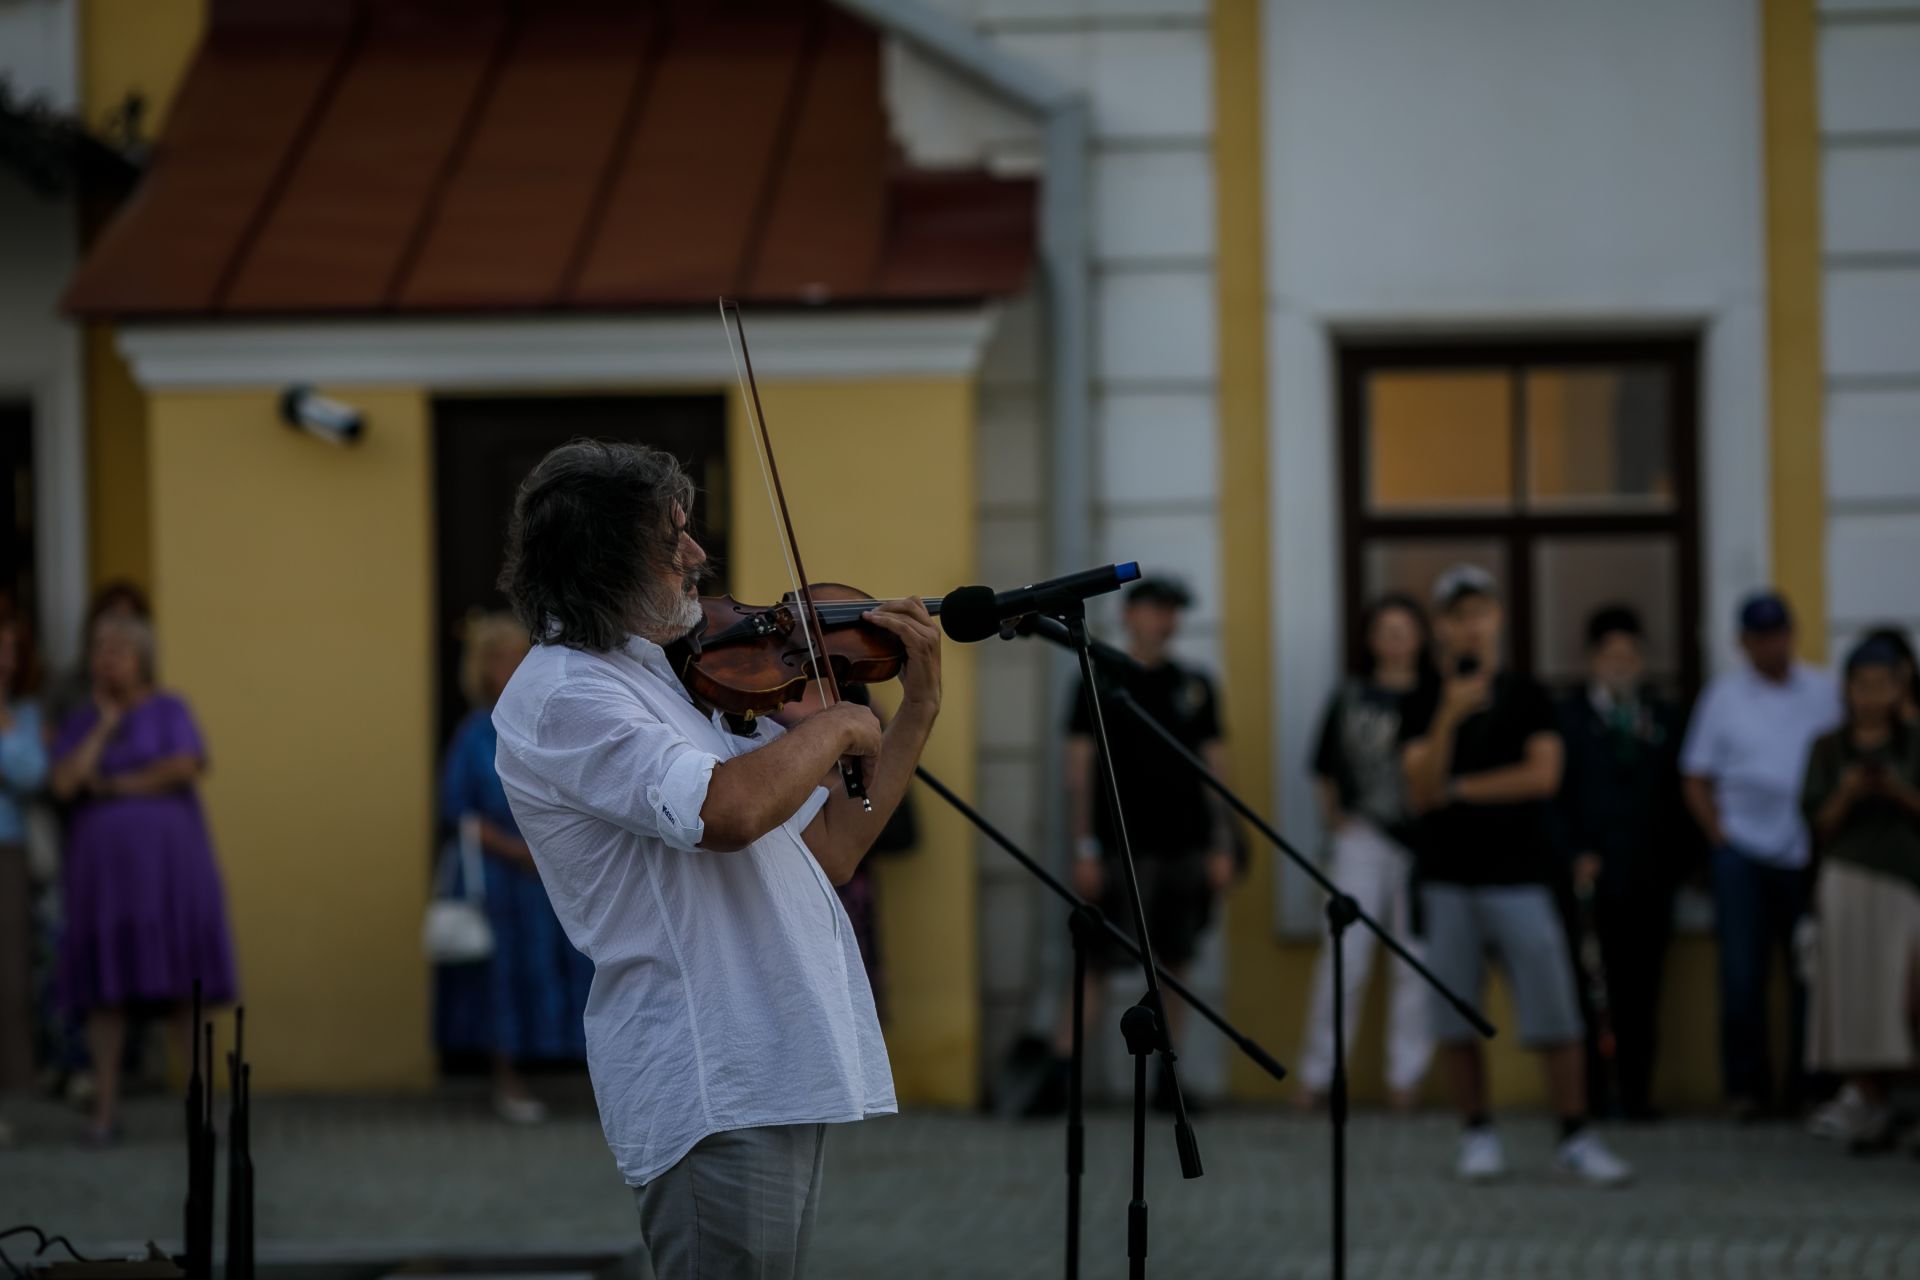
[
  {"x": 1144, "y": 1025},
  {"x": 1342, "y": 911}
]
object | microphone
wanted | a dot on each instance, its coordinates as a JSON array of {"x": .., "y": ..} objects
[{"x": 968, "y": 614}]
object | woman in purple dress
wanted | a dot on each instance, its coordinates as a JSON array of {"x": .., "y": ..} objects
[{"x": 146, "y": 915}]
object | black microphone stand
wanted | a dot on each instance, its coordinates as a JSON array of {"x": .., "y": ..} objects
[
  {"x": 1144, "y": 1025},
  {"x": 1342, "y": 910},
  {"x": 1087, "y": 924}
]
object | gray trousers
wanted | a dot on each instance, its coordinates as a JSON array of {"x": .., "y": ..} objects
[{"x": 739, "y": 1206}]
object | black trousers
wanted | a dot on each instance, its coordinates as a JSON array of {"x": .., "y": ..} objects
[
  {"x": 1634, "y": 932},
  {"x": 1632, "y": 926}
]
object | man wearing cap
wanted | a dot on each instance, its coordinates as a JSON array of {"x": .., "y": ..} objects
[
  {"x": 1182, "y": 838},
  {"x": 1743, "y": 762},
  {"x": 1483, "y": 763}
]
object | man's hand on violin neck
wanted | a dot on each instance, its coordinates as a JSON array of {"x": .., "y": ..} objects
[{"x": 920, "y": 637}]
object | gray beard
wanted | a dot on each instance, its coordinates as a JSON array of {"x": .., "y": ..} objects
[{"x": 667, "y": 618}]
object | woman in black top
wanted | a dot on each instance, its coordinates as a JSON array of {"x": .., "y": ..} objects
[{"x": 1363, "y": 804}]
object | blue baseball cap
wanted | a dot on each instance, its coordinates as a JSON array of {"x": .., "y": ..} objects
[{"x": 1763, "y": 613}]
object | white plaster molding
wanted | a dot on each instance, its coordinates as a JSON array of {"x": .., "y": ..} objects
[{"x": 555, "y": 351}]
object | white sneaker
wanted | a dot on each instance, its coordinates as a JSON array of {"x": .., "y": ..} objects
[
  {"x": 520, "y": 1110},
  {"x": 1585, "y": 1157},
  {"x": 1836, "y": 1120},
  {"x": 1482, "y": 1158}
]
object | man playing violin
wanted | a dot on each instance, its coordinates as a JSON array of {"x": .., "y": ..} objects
[{"x": 694, "y": 862}]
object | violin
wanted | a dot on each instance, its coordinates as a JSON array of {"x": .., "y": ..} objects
[{"x": 750, "y": 660}]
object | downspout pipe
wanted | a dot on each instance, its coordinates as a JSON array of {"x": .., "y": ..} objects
[
  {"x": 1064, "y": 255},
  {"x": 1063, "y": 115}
]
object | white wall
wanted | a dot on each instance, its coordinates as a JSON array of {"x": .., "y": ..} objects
[
  {"x": 1145, "y": 66},
  {"x": 1519, "y": 164},
  {"x": 39, "y": 352},
  {"x": 1870, "y": 206}
]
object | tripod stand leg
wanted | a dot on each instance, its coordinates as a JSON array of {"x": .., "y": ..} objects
[
  {"x": 1140, "y": 1026},
  {"x": 1341, "y": 912},
  {"x": 1082, "y": 924}
]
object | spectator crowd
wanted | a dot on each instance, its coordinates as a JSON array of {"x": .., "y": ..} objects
[{"x": 1482, "y": 821}]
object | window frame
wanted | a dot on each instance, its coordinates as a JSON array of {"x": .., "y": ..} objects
[{"x": 1520, "y": 529}]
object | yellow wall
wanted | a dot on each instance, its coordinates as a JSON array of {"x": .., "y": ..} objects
[
  {"x": 1268, "y": 977},
  {"x": 136, "y": 46},
  {"x": 126, "y": 46},
  {"x": 1793, "y": 316},
  {"x": 896, "y": 520},
  {"x": 295, "y": 596},
  {"x": 117, "y": 514}
]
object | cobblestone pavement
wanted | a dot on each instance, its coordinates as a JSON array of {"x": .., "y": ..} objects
[{"x": 935, "y": 1195}]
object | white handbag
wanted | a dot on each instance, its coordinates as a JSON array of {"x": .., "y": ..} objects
[{"x": 456, "y": 930}]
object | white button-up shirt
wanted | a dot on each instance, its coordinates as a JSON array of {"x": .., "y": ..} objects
[
  {"x": 727, "y": 987},
  {"x": 1751, "y": 736}
]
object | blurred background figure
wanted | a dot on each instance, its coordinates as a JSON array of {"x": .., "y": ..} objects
[
  {"x": 23, "y": 769},
  {"x": 1183, "y": 841},
  {"x": 145, "y": 909},
  {"x": 1862, "y": 800},
  {"x": 1743, "y": 764},
  {"x": 1906, "y": 669},
  {"x": 73, "y": 689},
  {"x": 1622, "y": 820},
  {"x": 527, "y": 1001},
  {"x": 1483, "y": 760},
  {"x": 1363, "y": 803}
]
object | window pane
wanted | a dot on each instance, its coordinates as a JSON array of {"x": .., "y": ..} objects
[
  {"x": 1411, "y": 565},
  {"x": 1440, "y": 440},
  {"x": 1598, "y": 439},
  {"x": 1575, "y": 576}
]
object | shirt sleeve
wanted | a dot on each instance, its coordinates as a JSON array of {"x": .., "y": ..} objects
[
  {"x": 1079, "y": 719},
  {"x": 1206, "y": 725},
  {"x": 23, "y": 751},
  {"x": 457, "y": 797},
  {"x": 1417, "y": 716},
  {"x": 1823, "y": 773},
  {"x": 1537, "y": 715},
  {"x": 1328, "y": 758},
  {"x": 182, "y": 734},
  {"x": 1702, "y": 755},
  {"x": 595, "y": 750}
]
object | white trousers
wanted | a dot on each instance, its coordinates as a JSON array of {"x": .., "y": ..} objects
[{"x": 1373, "y": 870}]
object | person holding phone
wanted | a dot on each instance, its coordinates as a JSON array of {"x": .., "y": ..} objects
[
  {"x": 1483, "y": 760},
  {"x": 1862, "y": 800}
]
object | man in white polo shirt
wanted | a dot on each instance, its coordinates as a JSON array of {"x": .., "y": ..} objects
[
  {"x": 693, "y": 860},
  {"x": 1743, "y": 764}
]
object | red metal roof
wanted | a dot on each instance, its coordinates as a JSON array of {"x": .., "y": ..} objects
[{"x": 413, "y": 156}]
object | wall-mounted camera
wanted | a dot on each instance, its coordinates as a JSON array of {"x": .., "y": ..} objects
[{"x": 305, "y": 409}]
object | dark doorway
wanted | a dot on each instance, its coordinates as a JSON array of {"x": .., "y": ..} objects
[
  {"x": 17, "y": 579},
  {"x": 483, "y": 448}
]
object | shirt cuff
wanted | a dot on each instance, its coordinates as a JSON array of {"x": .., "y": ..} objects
[{"x": 676, "y": 800}]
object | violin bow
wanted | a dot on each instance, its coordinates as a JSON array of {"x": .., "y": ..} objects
[{"x": 810, "y": 626}]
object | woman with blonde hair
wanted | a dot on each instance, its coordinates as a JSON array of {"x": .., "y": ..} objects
[
  {"x": 528, "y": 1000},
  {"x": 145, "y": 911}
]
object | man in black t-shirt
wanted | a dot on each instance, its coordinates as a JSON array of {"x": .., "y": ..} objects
[
  {"x": 1182, "y": 837},
  {"x": 1483, "y": 762}
]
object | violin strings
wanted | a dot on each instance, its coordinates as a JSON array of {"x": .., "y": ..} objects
[{"x": 766, "y": 479}]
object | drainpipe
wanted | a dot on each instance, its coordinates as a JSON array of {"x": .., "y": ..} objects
[{"x": 1062, "y": 113}]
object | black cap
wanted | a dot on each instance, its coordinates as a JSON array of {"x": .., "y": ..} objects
[
  {"x": 1874, "y": 652},
  {"x": 1166, "y": 591},
  {"x": 1763, "y": 613}
]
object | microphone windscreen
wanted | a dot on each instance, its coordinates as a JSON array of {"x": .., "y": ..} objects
[{"x": 968, "y": 614}]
